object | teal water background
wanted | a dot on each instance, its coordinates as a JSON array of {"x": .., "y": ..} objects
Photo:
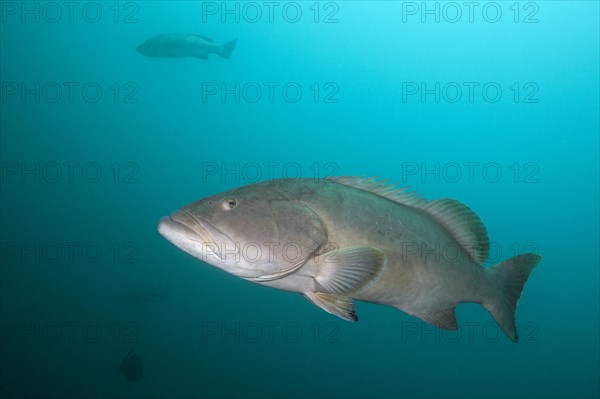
[{"x": 85, "y": 276}]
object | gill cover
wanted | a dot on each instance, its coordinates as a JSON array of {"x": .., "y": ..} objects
[{"x": 299, "y": 234}]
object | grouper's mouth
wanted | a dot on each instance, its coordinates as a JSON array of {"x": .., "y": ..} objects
[
  {"x": 206, "y": 242},
  {"x": 195, "y": 236}
]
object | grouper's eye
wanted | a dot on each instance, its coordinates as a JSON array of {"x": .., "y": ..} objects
[{"x": 229, "y": 203}]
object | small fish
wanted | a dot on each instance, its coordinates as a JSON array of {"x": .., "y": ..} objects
[
  {"x": 131, "y": 367},
  {"x": 350, "y": 238},
  {"x": 172, "y": 45}
]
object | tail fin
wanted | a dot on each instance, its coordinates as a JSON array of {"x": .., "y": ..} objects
[
  {"x": 226, "y": 49},
  {"x": 510, "y": 276}
]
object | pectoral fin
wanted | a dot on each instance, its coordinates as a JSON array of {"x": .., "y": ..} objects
[
  {"x": 347, "y": 270},
  {"x": 337, "y": 305}
]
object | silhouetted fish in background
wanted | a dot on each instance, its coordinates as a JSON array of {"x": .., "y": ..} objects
[
  {"x": 172, "y": 45},
  {"x": 131, "y": 367}
]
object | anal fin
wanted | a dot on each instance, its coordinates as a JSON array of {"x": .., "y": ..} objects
[
  {"x": 444, "y": 319},
  {"x": 337, "y": 305}
]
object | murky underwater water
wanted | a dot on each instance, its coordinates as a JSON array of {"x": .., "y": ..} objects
[{"x": 494, "y": 104}]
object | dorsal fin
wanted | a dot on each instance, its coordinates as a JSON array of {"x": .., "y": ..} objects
[
  {"x": 464, "y": 225},
  {"x": 208, "y": 39},
  {"x": 458, "y": 219},
  {"x": 392, "y": 192}
]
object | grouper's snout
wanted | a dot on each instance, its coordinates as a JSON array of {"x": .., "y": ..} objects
[
  {"x": 178, "y": 223},
  {"x": 143, "y": 48},
  {"x": 163, "y": 225},
  {"x": 166, "y": 225},
  {"x": 181, "y": 224},
  {"x": 194, "y": 235}
]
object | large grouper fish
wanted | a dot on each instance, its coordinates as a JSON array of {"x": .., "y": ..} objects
[
  {"x": 341, "y": 239},
  {"x": 174, "y": 45}
]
